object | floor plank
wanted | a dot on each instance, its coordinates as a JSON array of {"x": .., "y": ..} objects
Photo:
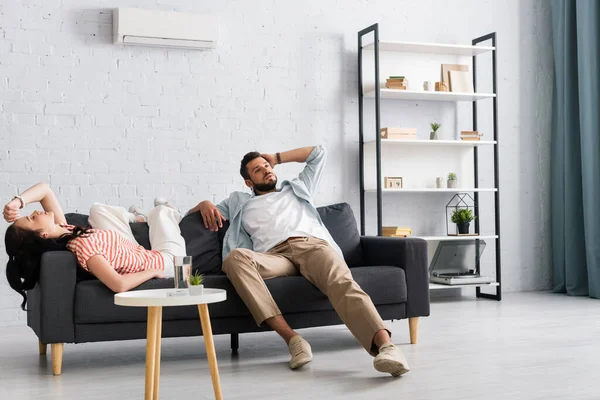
[{"x": 529, "y": 346}]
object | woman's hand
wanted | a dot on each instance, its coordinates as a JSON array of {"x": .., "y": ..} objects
[
  {"x": 11, "y": 210},
  {"x": 211, "y": 216},
  {"x": 159, "y": 274}
]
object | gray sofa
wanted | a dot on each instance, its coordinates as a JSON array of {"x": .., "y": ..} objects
[{"x": 70, "y": 306}]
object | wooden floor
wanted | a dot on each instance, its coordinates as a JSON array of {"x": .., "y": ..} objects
[{"x": 529, "y": 346}]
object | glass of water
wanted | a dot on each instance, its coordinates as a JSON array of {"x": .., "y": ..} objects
[{"x": 183, "y": 269}]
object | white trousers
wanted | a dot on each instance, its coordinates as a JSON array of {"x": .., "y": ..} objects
[{"x": 165, "y": 235}]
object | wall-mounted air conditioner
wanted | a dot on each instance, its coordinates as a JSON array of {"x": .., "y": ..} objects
[{"x": 137, "y": 26}]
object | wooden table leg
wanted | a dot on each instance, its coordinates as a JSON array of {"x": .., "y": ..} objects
[
  {"x": 210, "y": 350},
  {"x": 157, "y": 352},
  {"x": 151, "y": 352}
]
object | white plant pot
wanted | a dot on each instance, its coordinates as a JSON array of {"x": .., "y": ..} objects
[
  {"x": 197, "y": 290},
  {"x": 451, "y": 183}
]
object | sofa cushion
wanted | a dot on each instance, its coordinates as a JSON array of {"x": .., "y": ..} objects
[
  {"x": 141, "y": 233},
  {"x": 339, "y": 220},
  {"x": 95, "y": 303},
  {"x": 77, "y": 219},
  {"x": 202, "y": 244}
]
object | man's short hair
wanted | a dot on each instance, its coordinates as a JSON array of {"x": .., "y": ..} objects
[{"x": 247, "y": 158}]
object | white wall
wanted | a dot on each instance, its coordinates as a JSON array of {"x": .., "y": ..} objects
[{"x": 120, "y": 125}]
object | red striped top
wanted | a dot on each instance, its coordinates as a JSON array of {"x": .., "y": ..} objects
[{"x": 125, "y": 256}]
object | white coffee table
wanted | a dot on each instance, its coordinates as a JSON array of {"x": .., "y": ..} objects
[{"x": 155, "y": 300}]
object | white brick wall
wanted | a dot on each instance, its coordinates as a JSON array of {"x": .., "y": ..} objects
[{"x": 121, "y": 125}]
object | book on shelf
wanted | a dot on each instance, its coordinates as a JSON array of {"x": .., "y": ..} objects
[
  {"x": 396, "y": 82},
  {"x": 470, "y": 135},
  {"x": 396, "y": 231},
  {"x": 398, "y": 133}
]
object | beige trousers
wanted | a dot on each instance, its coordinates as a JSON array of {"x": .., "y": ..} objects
[{"x": 321, "y": 265}]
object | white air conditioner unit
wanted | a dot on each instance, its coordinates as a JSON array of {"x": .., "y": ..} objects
[{"x": 137, "y": 26}]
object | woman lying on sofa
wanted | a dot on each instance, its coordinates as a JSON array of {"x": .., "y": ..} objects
[{"x": 108, "y": 249}]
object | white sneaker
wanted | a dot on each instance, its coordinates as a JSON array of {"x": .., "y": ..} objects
[
  {"x": 300, "y": 351},
  {"x": 391, "y": 360},
  {"x": 139, "y": 215},
  {"x": 161, "y": 201}
]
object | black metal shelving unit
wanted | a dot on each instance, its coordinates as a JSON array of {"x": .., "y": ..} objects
[{"x": 374, "y": 29}]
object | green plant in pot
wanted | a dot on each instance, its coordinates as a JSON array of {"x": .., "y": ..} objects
[
  {"x": 434, "y": 128},
  {"x": 195, "y": 285},
  {"x": 462, "y": 217},
  {"x": 451, "y": 180}
]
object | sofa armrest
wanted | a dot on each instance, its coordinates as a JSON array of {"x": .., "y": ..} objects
[
  {"x": 409, "y": 254},
  {"x": 51, "y": 301}
]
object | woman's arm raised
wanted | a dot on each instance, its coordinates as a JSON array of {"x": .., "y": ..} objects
[{"x": 40, "y": 192}]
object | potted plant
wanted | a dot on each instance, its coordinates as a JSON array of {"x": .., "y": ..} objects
[
  {"x": 462, "y": 217},
  {"x": 451, "y": 180},
  {"x": 434, "y": 128},
  {"x": 195, "y": 285}
]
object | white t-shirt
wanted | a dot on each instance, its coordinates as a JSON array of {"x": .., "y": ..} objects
[{"x": 274, "y": 217}]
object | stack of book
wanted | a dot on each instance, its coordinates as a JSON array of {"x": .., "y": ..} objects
[
  {"x": 396, "y": 231},
  {"x": 396, "y": 82},
  {"x": 398, "y": 133},
  {"x": 470, "y": 135}
]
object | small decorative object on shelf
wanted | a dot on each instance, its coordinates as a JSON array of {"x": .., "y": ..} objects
[
  {"x": 434, "y": 128},
  {"x": 393, "y": 182},
  {"x": 428, "y": 86},
  {"x": 462, "y": 218},
  {"x": 460, "y": 209},
  {"x": 396, "y": 231},
  {"x": 440, "y": 182},
  {"x": 396, "y": 82},
  {"x": 441, "y": 87},
  {"x": 470, "y": 135},
  {"x": 451, "y": 180},
  {"x": 195, "y": 285},
  {"x": 398, "y": 133}
]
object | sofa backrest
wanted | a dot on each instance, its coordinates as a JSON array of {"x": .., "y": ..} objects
[
  {"x": 340, "y": 222},
  {"x": 205, "y": 246}
]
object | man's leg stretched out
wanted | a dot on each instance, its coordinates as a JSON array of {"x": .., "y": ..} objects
[{"x": 323, "y": 267}]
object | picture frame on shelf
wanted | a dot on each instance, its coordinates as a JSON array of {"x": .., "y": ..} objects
[{"x": 393, "y": 182}]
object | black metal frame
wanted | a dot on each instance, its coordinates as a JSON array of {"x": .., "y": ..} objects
[
  {"x": 375, "y": 29},
  {"x": 478, "y": 293},
  {"x": 492, "y": 36}
]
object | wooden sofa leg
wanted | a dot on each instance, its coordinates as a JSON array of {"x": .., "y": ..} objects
[
  {"x": 57, "y": 355},
  {"x": 413, "y": 326},
  {"x": 235, "y": 343},
  {"x": 42, "y": 348}
]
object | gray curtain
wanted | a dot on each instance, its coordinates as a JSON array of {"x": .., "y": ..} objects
[{"x": 575, "y": 157}]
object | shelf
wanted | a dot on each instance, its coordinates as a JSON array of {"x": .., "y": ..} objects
[
  {"x": 438, "y": 286},
  {"x": 422, "y": 142},
  {"x": 396, "y": 94},
  {"x": 433, "y": 190},
  {"x": 430, "y": 48},
  {"x": 444, "y": 238}
]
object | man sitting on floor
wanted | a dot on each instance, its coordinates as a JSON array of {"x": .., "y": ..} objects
[{"x": 278, "y": 232}]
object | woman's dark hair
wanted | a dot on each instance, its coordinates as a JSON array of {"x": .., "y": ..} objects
[
  {"x": 247, "y": 158},
  {"x": 25, "y": 248}
]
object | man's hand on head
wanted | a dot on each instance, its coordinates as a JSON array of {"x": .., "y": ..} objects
[{"x": 271, "y": 159}]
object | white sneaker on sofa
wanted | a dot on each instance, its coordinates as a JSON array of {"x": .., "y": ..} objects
[{"x": 161, "y": 201}]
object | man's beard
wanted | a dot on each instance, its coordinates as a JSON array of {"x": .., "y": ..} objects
[{"x": 265, "y": 187}]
